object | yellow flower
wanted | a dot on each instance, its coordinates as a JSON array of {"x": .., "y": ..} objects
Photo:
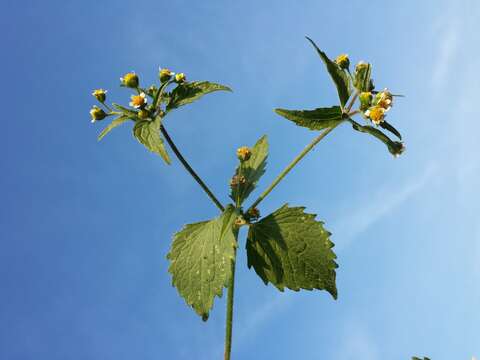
[
  {"x": 130, "y": 80},
  {"x": 376, "y": 114},
  {"x": 138, "y": 101},
  {"x": 97, "y": 114},
  {"x": 100, "y": 95},
  {"x": 180, "y": 78},
  {"x": 343, "y": 61},
  {"x": 165, "y": 75},
  {"x": 384, "y": 99},
  {"x": 244, "y": 153}
]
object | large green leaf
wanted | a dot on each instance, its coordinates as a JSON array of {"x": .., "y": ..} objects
[
  {"x": 201, "y": 260},
  {"x": 188, "y": 92},
  {"x": 252, "y": 170},
  {"x": 395, "y": 147},
  {"x": 117, "y": 122},
  {"x": 148, "y": 133},
  {"x": 289, "y": 248},
  {"x": 317, "y": 119},
  {"x": 339, "y": 76}
]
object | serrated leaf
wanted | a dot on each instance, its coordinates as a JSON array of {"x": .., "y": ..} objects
[
  {"x": 188, "y": 92},
  {"x": 117, "y": 122},
  {"x": 339, "y": 76},
  {"x": 201, "y": 260},
  {"x": 317, "y": 119},
  {"x": 395, "y": 147},
  {"x": 252, "y": 170},
  {"x": 289, "y": 248},
  {"x": 385, "y": 125},
  {"x": 148, "y": 133}
]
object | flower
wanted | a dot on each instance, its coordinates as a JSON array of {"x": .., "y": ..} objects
[
  {"x": 100, "y": 95},
  {"x": 343, "y": 61},
  {"x": 97, "y": 114},
  {"x": 253, "y": 214},
  {"x": 165, "y": 75},
  {"x": 138, "y": 101},
  {"x": 130, "y": 80},
  {"x": 180, "y": 78},
  {"x": 384, "y": 99},
  {"x": 244, "y": 153},
  {"x": 376, "y": 114}
]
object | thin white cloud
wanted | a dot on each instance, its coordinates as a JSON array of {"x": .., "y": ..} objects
[
  {"x": 445, "y": 54},
  {"x": 373, "y": 208}
]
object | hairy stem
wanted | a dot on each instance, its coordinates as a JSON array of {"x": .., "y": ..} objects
[
  {"x": 291, "y": 166},
  {"x": 190, "y": 169},
  {"x": 229, "y": 321}
]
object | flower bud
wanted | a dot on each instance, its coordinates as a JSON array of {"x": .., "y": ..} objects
[
  {"x": 100, "y": 95},
  {"x": 97, "y": 114},
  {"x": 244, "y": 153},
  {"x": 143, "y": 114},
  {"x": 180, "y": 78},
  {"x": 365, "y": 100},
  {"x": 130, "y": 80},
  {"x": 398, "y": 149},
  {"x": 138, "y": 101},
  {"x": 362, "y": 76},
  {"x": 343, "y": 61},
  {"x": 152, "y": 90},
  {"x": 165, "y": 75}
]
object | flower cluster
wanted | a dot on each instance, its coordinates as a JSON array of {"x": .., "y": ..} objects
[
  {"x": 144, "y": 105},
  {"x": 375, "y": 107}
]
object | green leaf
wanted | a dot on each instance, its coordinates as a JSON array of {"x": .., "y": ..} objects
[
  {"x": 117, "y": 122},
  {"x": 128, "y": 112},
  {"x": 395, "y": 147},
  {"x": 339, "y": 76},
  {"x": 252, "y": 170},
  {"x": 317, "y": 119},
  {"x": 201, "y": 260},
  {"x": 289, "y": 248},
  {"x": 148, "y": 133},
  {"x": 189, "y": 92},
  {"x": 385, "y": 125}
]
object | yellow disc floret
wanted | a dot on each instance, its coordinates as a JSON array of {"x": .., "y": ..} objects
[
  {"x": 376, "y": 114},
  {"x": 244, "y": 153},
  {"x": 130, "y": 80},
  {"x": 180, "y": 78},
  {"x": 138, "y": 101},
  {"x": 100, "y": 95},
  {"x": 343, "y": 61},
  {"x": 165, "y": 75}
]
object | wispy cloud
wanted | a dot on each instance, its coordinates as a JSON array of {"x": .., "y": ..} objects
[
  {"x": 372, "y": 209},
  {"x": 445, "y": 54}
]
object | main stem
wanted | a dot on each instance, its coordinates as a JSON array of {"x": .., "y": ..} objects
[
  {"x": 229, "y": 321},
  {"x": 190, "y": 169},
  {"x": 292, "y": 165}
]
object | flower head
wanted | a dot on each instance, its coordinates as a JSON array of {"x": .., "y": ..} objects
[
  {"x": 384, "y": 99},
  {"x": 343, "y": 61},
  {"x": 97, "y": 114},
  {"x": 244, "y": 153},
  {"x": 180, "y": 78},
  {"x": 138, "y": 101},
  {"x": 100, "y": 95},
  {"x": 376, "y": 114},
  {"x": 253, "y": 214},
  {"x": 130, "y": 80},
  {"x": 165, "y": 75}
]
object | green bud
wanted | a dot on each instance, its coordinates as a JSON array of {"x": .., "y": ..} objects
[
  {"x": 97, "y": 114},
  {"x": 244, "y": 153},
  {"x": 180, "y": 78},
  {"x": 362, "y": 76},
  {"x": 130, "y": 80},
  {"x": 143, "y": 114},
  {"x": 165, "y": 75},
  {"x": 100, "y": 95},
  {"x": 152, "y": 90},
  {"x": 365, "y": 100}
]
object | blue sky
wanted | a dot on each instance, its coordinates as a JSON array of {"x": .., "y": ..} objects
[{"x": 85, "y": 226}]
